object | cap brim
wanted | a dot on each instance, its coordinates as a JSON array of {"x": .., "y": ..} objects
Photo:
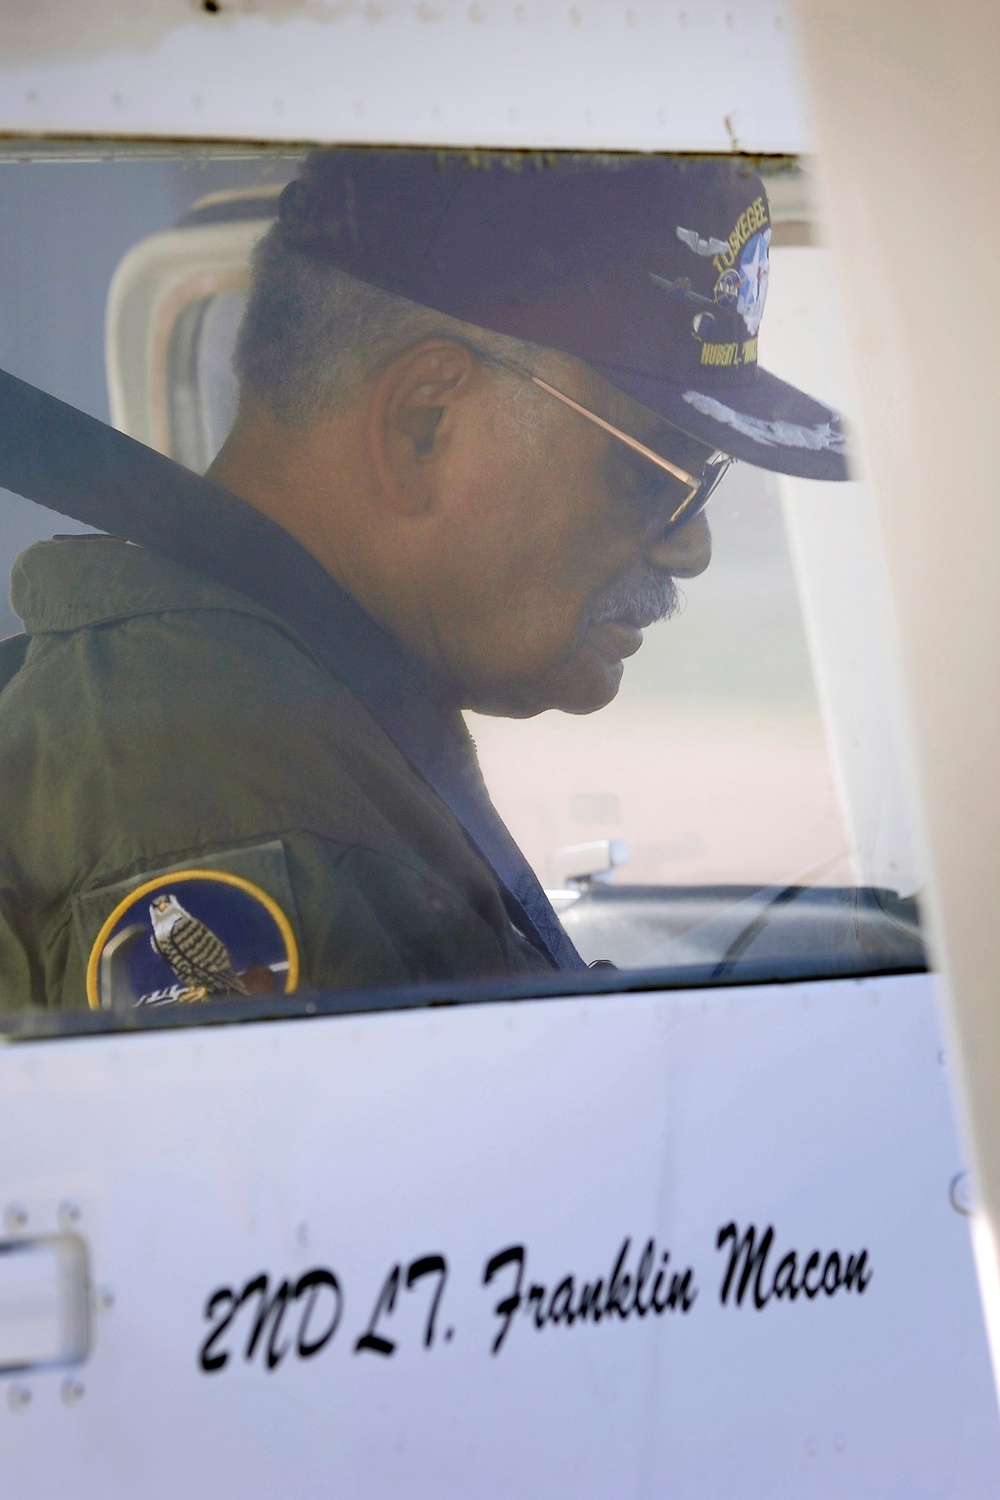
[{"x": 757, "y": 418}]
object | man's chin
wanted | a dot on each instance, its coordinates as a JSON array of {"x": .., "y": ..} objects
[
  {"x": 591, "y": 685},
  {"x": 589, "y": 680},
  {"x": 593, "y": 676}
]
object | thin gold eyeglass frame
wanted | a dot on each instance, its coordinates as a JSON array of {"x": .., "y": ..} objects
[
  {"x": 718, "y": 460},
  {"x": 693, "y": 482}
]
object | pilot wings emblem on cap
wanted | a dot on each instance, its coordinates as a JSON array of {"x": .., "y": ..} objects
[{"x": 708, "y": 246}]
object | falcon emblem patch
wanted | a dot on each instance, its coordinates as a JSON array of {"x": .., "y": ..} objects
[{"x": 193, "y": 935}]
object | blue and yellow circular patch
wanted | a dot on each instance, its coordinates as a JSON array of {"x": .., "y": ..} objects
[{"x": 194, "y": 935}]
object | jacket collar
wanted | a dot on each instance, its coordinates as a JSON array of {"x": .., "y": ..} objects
[{"x": 73, "y": 582}]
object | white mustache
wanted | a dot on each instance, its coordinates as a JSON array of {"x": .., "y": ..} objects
[{"x": 640, "y": 598}]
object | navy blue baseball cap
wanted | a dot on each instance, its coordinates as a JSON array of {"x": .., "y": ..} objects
[{"x": 653, "y": 270}]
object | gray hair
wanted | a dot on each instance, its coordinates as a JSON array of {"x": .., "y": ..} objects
[{"x": 311, "y": 333}]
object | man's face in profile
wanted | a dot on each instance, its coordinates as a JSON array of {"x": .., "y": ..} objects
[
  {"x": 560, "y": 559},
  {"x": 517, "y": 549}
]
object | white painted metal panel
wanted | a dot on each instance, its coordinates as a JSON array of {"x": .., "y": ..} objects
[
  {"x": 200, "y": 1159},
  {"x": 599, "y": 74}
]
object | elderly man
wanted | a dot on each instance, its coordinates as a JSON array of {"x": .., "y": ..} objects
[{"x": 489, "y": 398}]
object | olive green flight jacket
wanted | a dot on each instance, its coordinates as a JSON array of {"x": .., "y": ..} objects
[{"x": 153, "y": 720}]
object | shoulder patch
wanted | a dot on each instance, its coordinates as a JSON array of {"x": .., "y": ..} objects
[{"x": 191, "y": 934}]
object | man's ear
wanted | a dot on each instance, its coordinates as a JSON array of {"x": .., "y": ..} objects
[{"x": 410, "y": 418}]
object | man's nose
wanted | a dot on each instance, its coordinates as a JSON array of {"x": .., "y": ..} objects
[{"x": 685, "y": 552}]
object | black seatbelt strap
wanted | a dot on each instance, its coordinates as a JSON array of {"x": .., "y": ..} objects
[{"x": 61, "y": 458}]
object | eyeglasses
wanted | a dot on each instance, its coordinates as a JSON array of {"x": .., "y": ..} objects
[{"x": 699, "y": 487}]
